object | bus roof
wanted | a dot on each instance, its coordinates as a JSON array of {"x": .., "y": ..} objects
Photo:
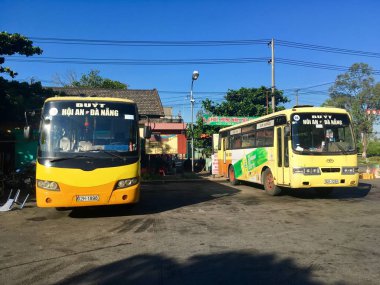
[
  {"x": 287, "y": 112},
  {"x": 96, "y": 99}
]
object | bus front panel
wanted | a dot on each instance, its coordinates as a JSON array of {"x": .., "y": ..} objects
[{"x": 76, "y": 187}]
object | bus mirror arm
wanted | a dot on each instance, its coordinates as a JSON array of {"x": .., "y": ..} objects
[
  {"x": 27, "y": 129},
  {"x": 27, "y": 132},
  {"x": 287, "y": 131}
]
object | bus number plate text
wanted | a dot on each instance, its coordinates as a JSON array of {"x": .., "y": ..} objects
[
  {"x": 331, "y": 181},
  {"x": 88, "y": 198}
]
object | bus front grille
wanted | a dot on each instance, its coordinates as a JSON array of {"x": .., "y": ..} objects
[{"x": 330, "y": 169}]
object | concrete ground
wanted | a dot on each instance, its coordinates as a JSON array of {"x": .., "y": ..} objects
[{"x": 205, "y": 232}]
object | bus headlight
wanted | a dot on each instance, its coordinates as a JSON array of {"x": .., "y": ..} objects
[
  {"x": 123, "y": 183},
  {"x": 48, "y": 185},
  {"x": 306, "y": 170},
  {"x": 349, "y": 170}
]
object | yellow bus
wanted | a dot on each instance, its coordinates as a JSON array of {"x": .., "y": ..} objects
[
  {"x": 88, "y": 152},
  {"x": 302, "y": 147}
]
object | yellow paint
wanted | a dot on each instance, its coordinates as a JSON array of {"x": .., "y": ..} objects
[
  {"x": 74, "y": 182},
  {"x": 289, "y": 179}
]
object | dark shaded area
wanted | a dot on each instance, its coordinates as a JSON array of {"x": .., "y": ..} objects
[
  {"x": 160, "y": 199},
  {"x": 226, "y": 268},
  {"x": 338, "y": 193}
]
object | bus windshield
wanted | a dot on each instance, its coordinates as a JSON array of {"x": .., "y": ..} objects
[
  {"x": 322, "y": 133},
  {"x": 70, "y": 128}
]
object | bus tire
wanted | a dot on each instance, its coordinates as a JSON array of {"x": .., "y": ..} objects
[
  {"x": 324, "y": 192},
  {"x": 231, "y": 175},
  {"x": 269, "y": 186}
]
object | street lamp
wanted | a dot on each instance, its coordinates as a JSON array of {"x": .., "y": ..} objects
[{"x": 193, "y": 78}]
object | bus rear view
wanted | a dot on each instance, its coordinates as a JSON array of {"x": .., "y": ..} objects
[{"x": 88, "y": 152}]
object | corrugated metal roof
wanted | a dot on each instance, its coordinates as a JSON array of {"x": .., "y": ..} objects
[{"x": 148, "y": 101}]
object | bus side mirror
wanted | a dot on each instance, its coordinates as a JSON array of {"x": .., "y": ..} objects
[
  {"x": 147, "y": 132},
  {"x": 287, "y": 131},
  {"x": 27, "y": 132}
]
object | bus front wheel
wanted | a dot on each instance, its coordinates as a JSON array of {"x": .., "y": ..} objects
[
  {"x": 231, "y": 175},
  {"x": 269, "y": 186}
]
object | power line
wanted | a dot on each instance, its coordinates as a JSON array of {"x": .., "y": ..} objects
[
  {"x": 197, "y": 43},
  {"x": 118, "y": 61},
  {"x": 166, "y": 62},
  {"x": 146, "y": 43},
  {"x": 327, "y": 49}
]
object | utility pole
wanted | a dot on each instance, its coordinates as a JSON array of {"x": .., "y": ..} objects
[
  {"x": 193, "y": 78},
  {"x": 273, "y": 84},
  {"x": 192, "y": 126},
  {"x": 297, "y": 96}
]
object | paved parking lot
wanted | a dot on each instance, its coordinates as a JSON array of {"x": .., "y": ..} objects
[{"x": 199, "y": 233}]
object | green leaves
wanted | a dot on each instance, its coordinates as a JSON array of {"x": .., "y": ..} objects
[
  {"x": 94, "y": 80},
  {"x": 11, "y": 44},
  {"x": 356, "y": 92},
  {"x": 243, "y": 102}
]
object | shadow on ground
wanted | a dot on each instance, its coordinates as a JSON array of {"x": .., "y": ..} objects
[
  {"x": 161, "y": 198},
  {"x": 338, "y": 193},
  {"x": 226, "y": 268}
]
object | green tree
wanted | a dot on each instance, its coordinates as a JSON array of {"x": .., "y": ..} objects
[
  {"x": 94, "y": 80},
  {"x": 11, "y": 44},
  {"x": 18, "y": 97},
  {"x": 243, "y": 102},
  {"x": 356, "y": 92}
]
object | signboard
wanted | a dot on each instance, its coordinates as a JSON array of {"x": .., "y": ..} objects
[
  {"x": 210, "y": 120},
  {"x": 162, "y": 144},
  {"x": 215, "y": 143},
  {"x": 215, "y": 164},
  {"x": 265, "y": 124}
]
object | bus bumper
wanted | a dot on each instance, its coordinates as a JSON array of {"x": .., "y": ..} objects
[
  {"x": 91, "y": 196},
  {"x": 318, "y": 181}
]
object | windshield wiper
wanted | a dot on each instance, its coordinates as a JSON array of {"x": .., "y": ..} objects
[
  {"x": 70, "y": 157},
  {"x": 341, "y": 148},
  {"x": 107, "y": 152}
]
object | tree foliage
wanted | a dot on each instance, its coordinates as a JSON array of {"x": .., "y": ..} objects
[
  {"x": 355, "y": 91},
  {"x": 18, "y": 97},
  {"x": 245, "y": 102},
  {"x": 94, "y": 80},
  {"x": 11, "y": 44}
]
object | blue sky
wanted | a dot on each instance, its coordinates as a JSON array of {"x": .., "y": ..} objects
[{"x": 342, "y": 24}]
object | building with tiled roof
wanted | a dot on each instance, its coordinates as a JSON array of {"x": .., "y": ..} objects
[{"x": 148, "y": 101}]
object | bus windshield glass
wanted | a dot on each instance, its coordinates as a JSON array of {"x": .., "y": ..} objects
[
  {"x": 70, "y": 128},
  {"x": 322, "y": 133}
]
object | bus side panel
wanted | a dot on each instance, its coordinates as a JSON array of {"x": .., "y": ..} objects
[
  {"x": 75, "y": 182},
  {"x": 248, "y": 163},
  {"x": 224, "y": 160}
]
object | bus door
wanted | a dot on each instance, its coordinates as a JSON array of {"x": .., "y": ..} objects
[
  {"x": 224, "y": 166},
  {"x": 282, "y": 156}
]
